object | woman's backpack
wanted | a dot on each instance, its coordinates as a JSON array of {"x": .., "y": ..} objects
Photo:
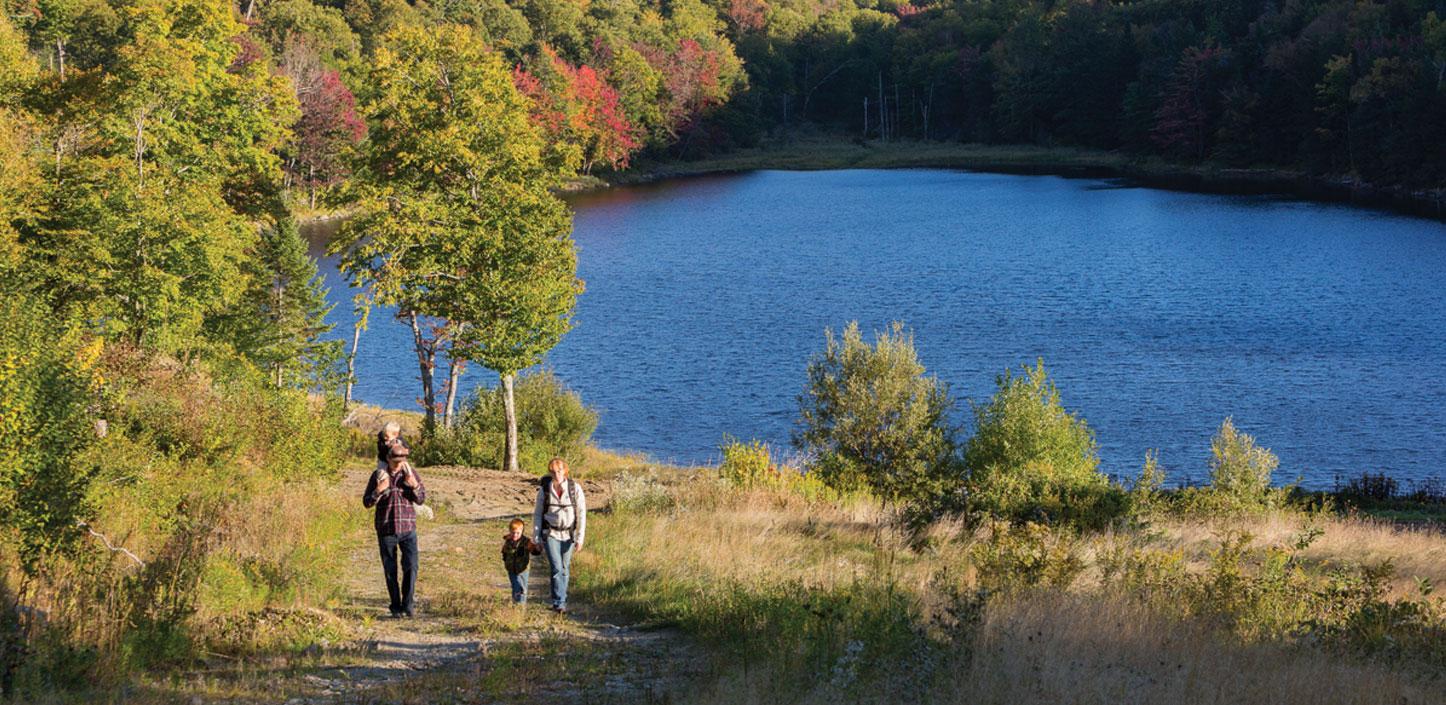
[{"x": 548, "y": 499}]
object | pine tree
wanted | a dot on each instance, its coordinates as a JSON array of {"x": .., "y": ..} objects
[{"x": 281, "y": 317}]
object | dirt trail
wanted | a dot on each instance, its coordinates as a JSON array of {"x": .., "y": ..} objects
[{"x": 468, "y": 644}]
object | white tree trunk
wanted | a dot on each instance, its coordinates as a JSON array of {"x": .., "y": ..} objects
[
  {"x": 351, "y": 366},
  {"x": 509, "y": 412},
  {"x": 455, "y": 368}
]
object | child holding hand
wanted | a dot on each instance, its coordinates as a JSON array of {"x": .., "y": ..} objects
[{"x": 517, "y": 550}]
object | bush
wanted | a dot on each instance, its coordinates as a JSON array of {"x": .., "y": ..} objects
[
  {"x": 750, "y": 466},
  {"x": 1145, "y": 494},
  {"x": 869, "y": 417},
  {"x": 194, "y": 453},
  {"x": 1240, "y": 471},
  {"x": 1271, "y": 593},
  {"x": 1379, "y": 487},
  {"x": 747, "y": 464},
  {"x": 1027, "y": 556},
  {"x": 1031, "y": 460},
  {"x": 551, "y": 421},
  {"x": 641, "y": 494}
]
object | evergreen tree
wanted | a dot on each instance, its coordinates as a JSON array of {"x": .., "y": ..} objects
[{"x": 282, "y": 314}]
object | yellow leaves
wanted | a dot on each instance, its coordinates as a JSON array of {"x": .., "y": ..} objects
[{"x": 87, "y": 358}]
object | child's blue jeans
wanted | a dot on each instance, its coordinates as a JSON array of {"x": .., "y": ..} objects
[{"x": 519, "y": 586}]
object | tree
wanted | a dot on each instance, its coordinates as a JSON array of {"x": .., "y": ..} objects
[
  {"x": 163, "y": 161},
  {"x": 323, "y": 29},
  {"x": 21, "y": 184},
  {"x": 1031, "y": 459},
  {"x": 575, "y": 105},
  {"x": 869, "y": 417},
  {"x": 282, "y": 319},
  {"x": 458, "y": 222},
  {"x": 1433, "y": 31},
  {"x": 516, "y": 299},
  {"x": 1183, "y": 121},
  {"x": 329, "y": 126}
]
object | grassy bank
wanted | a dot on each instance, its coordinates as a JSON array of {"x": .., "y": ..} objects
[
  {"x": 822, "y": 153},
  {"x": 813, "y": 601}
]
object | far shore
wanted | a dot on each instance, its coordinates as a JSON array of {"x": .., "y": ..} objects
[{"x": 818, "y": 154}]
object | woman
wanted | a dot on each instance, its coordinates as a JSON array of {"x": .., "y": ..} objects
[{"x": 560, "y": 518}]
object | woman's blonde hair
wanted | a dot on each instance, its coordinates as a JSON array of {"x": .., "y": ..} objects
[{"x": 557, "y": 462}]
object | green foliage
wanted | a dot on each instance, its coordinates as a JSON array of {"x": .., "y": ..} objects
[
  {"x": 1027, "y": 556},
  {"x": 551, "y": 421},
  {"x": 457, "y": 218},
  {"x": 48, "y": 386},
  {"x": 1271, "y": 593},
  {"x": 750, "y": 466},
  {"x": 162, "y": 159},
  {"x": 747, "y": 464},
  {"x": 1240, "y": 471},
  {"x": 280, "y": 325},
  {"x": 1145, "y": 493},
  {"x": 870, "y": 418},
  {"x": 1030, "y": 459}
]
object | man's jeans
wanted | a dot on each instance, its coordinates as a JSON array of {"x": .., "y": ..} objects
[
  {"x": 519, "y": 586},
  {"x": 559, "y": 560},
  {"x": 401, "y": 595}
]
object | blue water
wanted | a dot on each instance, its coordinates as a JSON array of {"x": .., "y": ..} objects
[{"x": 1319, "y": 328}]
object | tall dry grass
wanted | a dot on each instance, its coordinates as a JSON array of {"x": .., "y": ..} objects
[
  {"x": 1087, "y": 649},
  {"x": 817, "y": 602},
  {"x": 1414, "y": 551}
]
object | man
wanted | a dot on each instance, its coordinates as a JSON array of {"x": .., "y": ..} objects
[
  {"x": 393, "y": 490},
  {"x": 560, "y": 517}
]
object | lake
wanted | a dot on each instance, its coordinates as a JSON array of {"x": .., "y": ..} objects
[{"x": 1319, "y": 328}]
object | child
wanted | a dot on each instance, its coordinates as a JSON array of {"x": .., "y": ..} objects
[
  {"x": 516, "y": 551},
  {"x": 389, "y": 435}
]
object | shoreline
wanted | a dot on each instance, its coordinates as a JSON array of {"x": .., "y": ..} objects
[{"x": 823, "y": 155}]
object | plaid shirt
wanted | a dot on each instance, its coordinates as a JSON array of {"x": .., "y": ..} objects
[{"x": 395, "y": 515}]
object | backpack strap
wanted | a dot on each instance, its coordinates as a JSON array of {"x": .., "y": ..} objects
[{"x": 571, "y": 488}]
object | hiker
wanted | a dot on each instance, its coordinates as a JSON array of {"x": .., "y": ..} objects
[
  {"x": 517, "y": 551},
  {"x": 560, "y": 518},
  {"x": 393, "y": 490}
]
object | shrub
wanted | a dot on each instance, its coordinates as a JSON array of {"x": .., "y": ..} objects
[
  {"x": 1031, "y": 555},
  {"x": 869, "y": 417},
  {"x": 1379, "y": 487},
  {"x": 194, "y": 453},
  {"x": 1030, "y": 459},
  {"x": 747, "y": 464},
  {"x": 641, "y": 494},
  {"x": 551, "y": 421},
  {"x": 1145, "y": 494},
  {"x": 1239, "y": 470},
  {"x": 750, "y": 466},
  {"x": 1271, "y": 593}
]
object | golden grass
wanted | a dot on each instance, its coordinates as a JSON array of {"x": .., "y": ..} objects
[
  {"x": 1080, "y": 645},
  {"x": 1415, "y": 552},
  {"x": 1057, "y": 648}
]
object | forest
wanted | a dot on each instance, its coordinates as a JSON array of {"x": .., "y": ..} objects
[{"x": 1337, "y": 89}]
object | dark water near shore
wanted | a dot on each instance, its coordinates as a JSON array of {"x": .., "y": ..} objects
[{"x": 1320, "y": 328}]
